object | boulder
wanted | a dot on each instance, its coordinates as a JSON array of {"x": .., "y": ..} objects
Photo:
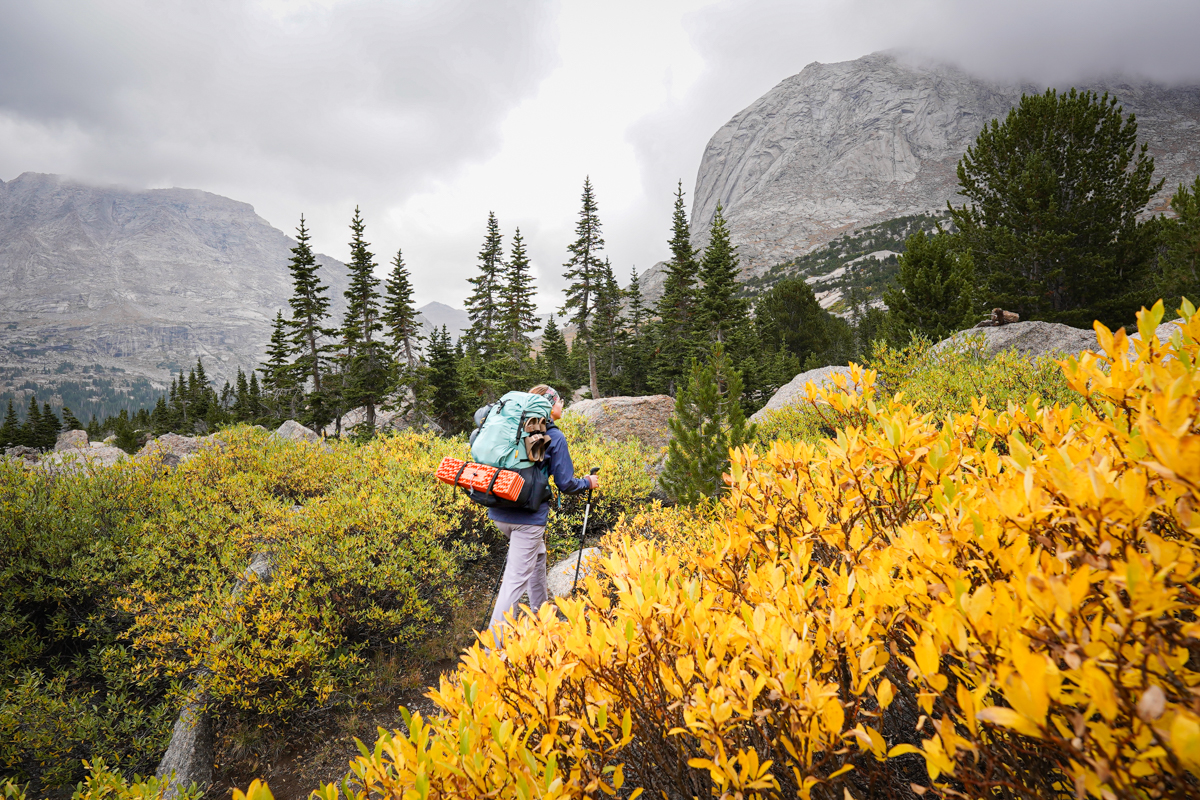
[
  {"x": 561, "y": 577},
  {"x": 29, "y": 455},
  {"x": 386, "y": 421},
  {"x": 71, "y": 440},
  {"x": 641, "y": 418},
  {"x": 171, "y": 444},
  {"x": 794, "y": 393},
  {"x": 78, "y": 458},
  {"x": 296, "y": 432},
  {"x": 1030, "y": 339}
]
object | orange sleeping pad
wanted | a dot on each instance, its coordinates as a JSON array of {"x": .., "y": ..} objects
[{"x": 480, "y": 477}]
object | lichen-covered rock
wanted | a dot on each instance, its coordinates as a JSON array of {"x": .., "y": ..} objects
[
  {"x": 67, "y": 461},
  {"x": 296, "y": 432},
  {"x": 71, "y": 440},
  {"x": 27, "y": 455},
  {"x": 642, "y": 418},
  {"x": 171, "y": 444},
  {"x": 794, "y": 392}
]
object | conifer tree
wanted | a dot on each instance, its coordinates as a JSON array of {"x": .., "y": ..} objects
[
  {"x": 254, "y": 397},
  {"x": 722, "y": 312},
  {"x": 789, "y": 319},
  {"x": 483, "y": 306},
  {"x": 160, "y": 418},
  {"x": 555, "y": 355},
  {"x": 707, "y": 422},
  {"x": 33, "y": 424},
  {"x": 200, "y": 390},
  {"x": 10, "y": 430},
  {"x": 675, "y": 334},
  {"x": 932, "y": 293},
  {"x": 367, "y": 364},
  {"x": 70, "y": 422},
  {"x": 400, "y": 315},
  {"x": 49, "y": 428},
  {"x": 637, "y": 354},
  {"x": 1180, "y": 261},
  {"x": 279, "y": 378},
  {"x": 126, "y": 435},
  {"x": 443, "y": 379},
  {"x": 607, "y": 328},
  {"x": 584, "y": 273},
  {"x": 309, "y": 333},
  {"x": 1054, "y": 193},
  {"x": 241, "y": 402},
  {"x": 93, "y": 428},
  {"x": 518, "y": 312}
]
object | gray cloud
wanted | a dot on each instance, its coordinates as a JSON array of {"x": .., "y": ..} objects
[{"x": 362, "y": 101}]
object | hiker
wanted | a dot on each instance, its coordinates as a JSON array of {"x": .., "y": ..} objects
[{"x": 525, "y": 567}]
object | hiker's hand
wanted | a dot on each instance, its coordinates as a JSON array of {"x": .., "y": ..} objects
[{"x": 593, "y": 481}]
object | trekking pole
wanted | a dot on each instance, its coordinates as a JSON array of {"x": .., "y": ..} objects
[{"x": 583, "y": 533}]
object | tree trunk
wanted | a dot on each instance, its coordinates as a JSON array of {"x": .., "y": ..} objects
[
  {"x": 594, "y": 385},
  {"x": 370, "y": 417}
]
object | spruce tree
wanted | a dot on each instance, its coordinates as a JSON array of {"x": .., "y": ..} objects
[
  {"x": 932, "y": 293},
  {"x": 637, "y": 353},
  {"x": 30, "y": 431},
  {"x": 789, "y": 319},
  {"x": 279, "y": 379},
  {"x": 1179, "y": 274},
  {"x": 49, "y": 428},
  {"x": 607, "y": 329},
  {"x": 707, "y": 422},
  {"x": 584, "y": 273},
  {"x": 70, "y": 422},
  {"x": 254, "y": 399},
  {"x": 722, "y": 312},
  {"x": 676, "y": 309},
  {"x": 160, "y": 418},
  {"x": 483, "y": 305},
  {"x": 367, "y": 365},
  {"x": 93, "y": 428},
  {"x": 10, "y": 430},
  {"x": 400, "y": 316},
  {"x": 309, "y": 334},
  {"x": 241, "y": 402},
  {"x": 443, "y": 380},
  {"x": 200, "y": 392},
  {"x": 518, "y": 312},
  {"x": 1053, "y": 198},
  {"x": 555, "y": 355}
]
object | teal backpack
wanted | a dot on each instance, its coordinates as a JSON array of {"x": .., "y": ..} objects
[{"x": 513, "y": 434}]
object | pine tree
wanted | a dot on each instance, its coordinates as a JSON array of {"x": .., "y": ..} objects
[
  {"x": 309, "y": 334},
  {"x": 676, "y": 309},
  {"x": 789, "y": 319},
  {"x": 555, "y": 355},
  {"x": 518, "y": 312},
  {"x": 367, "y": 365},
  {"x": 70, "y": 422},
  {"x": 722, "y": 312},
  {"x": 126, "y": 436},
  {"x": 707, "y": 422},
  {"x": 1054, "y": 193},
  {"x": 254, "y": 398},
  {"x": 584, "y": 273},
  {"x": 932, "y": 293},
  {"x": 443, "y": 379},
  {"x": 200, "y": 392},
  {"x": 483, "y": 306},
  {"x": 93, "y": 428},
  {"x": 10, "y": 430},
  {"x": 400, "y": 315},
  {"x": 160, "y": 418}
]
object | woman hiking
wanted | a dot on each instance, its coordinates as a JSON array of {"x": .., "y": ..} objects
[{"x": 525, "y": 567}]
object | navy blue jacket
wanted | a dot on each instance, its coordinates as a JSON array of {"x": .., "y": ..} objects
[{"x": 558, "y": 456}]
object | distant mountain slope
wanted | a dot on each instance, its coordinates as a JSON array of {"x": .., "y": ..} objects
[
  {"x": 434, "y": 315},
  {"x": 840, "y": 146},
  {"x": 136, "y": 284}
]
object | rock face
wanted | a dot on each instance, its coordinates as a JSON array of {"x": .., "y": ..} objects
[
  {"x": 69, "y": 440},
  {"x": 145, "y": 281},
  {"x": 794, "y": 393},
  {"x": 641, "y": 418},
  {"x": 841, "y": 146},
  {"x": 79, "y": 458}
]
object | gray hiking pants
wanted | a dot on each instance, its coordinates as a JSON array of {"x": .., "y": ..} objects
[{"x": 524, "y": 571}]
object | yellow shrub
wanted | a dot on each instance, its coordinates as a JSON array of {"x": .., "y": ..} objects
[{"x": 1001, "y": 604}]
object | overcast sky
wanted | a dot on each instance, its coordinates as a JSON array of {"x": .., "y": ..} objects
[{"x": 428, "y": 115}]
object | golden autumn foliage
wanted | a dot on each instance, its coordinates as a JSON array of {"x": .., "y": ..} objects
[{"x": 999, "y": 603}]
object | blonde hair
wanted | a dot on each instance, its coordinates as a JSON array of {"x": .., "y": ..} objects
[{"x": 545, "y": 389}]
